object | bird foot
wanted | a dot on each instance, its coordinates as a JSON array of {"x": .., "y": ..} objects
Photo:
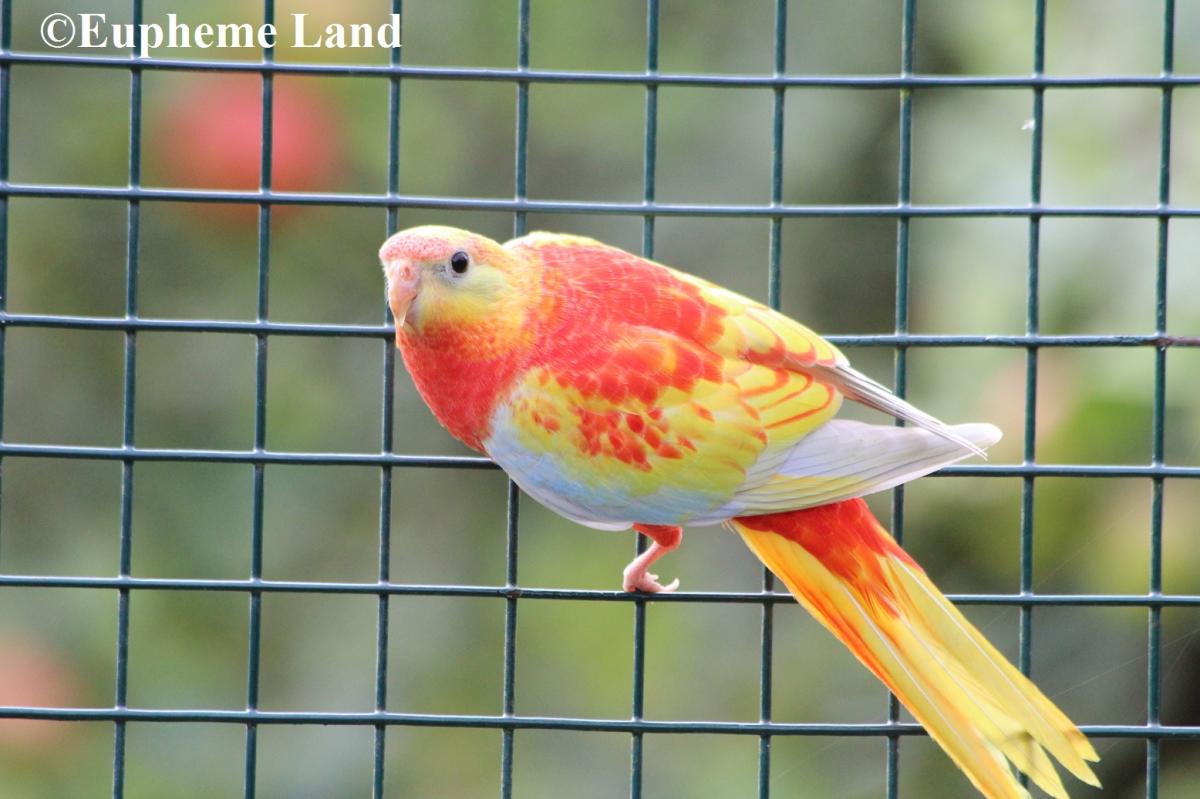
[
  {"x": 636, "y": 579},
  {"x": 637, "y": 576}
]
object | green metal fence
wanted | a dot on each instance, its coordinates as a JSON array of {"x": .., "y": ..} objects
[{"x": 513, "y": 594}]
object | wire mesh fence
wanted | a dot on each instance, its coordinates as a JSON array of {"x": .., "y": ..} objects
[{"x": 389, "y": 460}]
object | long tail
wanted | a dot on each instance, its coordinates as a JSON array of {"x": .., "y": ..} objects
[{"x": 845, "y": 568}]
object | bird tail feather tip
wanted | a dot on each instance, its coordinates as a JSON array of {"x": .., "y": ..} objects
[{"x": 846, "y": 569}]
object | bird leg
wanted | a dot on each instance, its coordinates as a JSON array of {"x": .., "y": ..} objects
[{"x": 665, "y": 539}]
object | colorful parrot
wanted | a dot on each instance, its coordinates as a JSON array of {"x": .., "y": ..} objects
[{"x": 622, "y": 393}]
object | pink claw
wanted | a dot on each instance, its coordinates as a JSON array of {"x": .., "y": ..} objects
[{"x": 645, "y": 582}]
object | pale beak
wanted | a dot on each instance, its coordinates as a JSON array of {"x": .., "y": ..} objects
[{"x": 404, "y": 281}]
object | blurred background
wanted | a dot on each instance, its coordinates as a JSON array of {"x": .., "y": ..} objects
[{"x": 70, "y": 125}]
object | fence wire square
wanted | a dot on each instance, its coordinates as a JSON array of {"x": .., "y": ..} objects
[{"x": 134, "y": 327}]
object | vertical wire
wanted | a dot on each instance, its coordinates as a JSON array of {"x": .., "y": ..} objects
[
  {"x": 260, "y": 419},
  {"x": 133, "y": 231},
  {"x": 5, "y": 43},
  {"x": 649, "y": 172},
  {"x": 1154, "y": 630},
  {"x": 520, "y": 179},
  {"x": 520, "y": 171},
  {"x": 774, "y": 280},
  {"x": 386, "y": 443},
  {"x": 1032, "y": 326},
  {"x": 903, "y": 225},
  {"x": 510, "y": 641}
]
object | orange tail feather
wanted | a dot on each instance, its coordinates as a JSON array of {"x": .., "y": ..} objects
[{"x": 844, "y": 567}]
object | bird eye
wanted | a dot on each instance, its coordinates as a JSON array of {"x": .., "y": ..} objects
[{"x": 459, "y": 262}]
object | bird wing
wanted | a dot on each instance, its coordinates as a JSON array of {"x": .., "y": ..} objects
[
  {"x": 656, "y": 397},
  {"x": 844, "y": 459},
  {"x": 771, "y": 338}
]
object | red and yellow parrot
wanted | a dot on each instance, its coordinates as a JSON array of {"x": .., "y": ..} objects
[{"x": 622, "y": 393}]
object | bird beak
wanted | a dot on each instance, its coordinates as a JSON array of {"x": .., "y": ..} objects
[{"x": 404, "y": 281}]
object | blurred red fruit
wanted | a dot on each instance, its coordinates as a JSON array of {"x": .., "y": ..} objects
[
  {"x": 33, "y": 675},
  {"x": 208, "y": 137}
]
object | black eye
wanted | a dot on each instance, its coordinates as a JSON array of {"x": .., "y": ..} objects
[{"x": 459, "y": 262}]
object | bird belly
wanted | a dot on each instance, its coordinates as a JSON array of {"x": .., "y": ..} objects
[{"x": 580, "y": 491}]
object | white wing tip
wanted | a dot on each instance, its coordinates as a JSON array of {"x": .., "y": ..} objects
[{"x": 976, "y": 437}]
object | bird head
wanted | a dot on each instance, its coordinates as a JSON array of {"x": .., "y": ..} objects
[{"x": 442, "y": 276}]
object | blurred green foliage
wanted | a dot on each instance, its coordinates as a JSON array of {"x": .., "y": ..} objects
[{"x": 71, "y": 125}]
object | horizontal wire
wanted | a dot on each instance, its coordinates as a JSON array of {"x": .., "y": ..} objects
[
  {"x": 66, "y": 451},
  {"x": 117, "y": 323},
  {"x": 505, "y": 592},
  {"x": 513, "y": 74},
  {"x": 639, "y": 208},
  {"x": 245, "y": 456},
  {"x": 541, "y": 722}
]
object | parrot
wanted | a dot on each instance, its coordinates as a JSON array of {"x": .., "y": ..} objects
[{"x": 623, "y": 393}]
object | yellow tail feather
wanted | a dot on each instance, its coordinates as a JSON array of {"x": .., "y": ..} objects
[{"x": 841, "y": 565}]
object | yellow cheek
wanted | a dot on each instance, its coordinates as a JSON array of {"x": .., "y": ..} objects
[
  {"x": 443, "y": 304},
  {"x": 470, "y": 298}
]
